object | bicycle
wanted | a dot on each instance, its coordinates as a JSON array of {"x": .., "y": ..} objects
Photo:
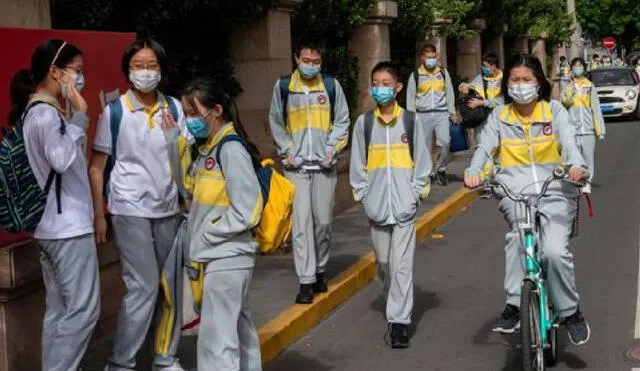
[{"x": 538, "y": 322}]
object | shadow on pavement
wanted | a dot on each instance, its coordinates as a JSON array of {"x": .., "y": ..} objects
[{"x": 291, "y": 360}]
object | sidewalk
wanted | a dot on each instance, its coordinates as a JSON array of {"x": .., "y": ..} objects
[{"x": 275, "y": 285}]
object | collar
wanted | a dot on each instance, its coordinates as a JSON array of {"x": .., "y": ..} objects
[
  {"x": 424, "y": 71},
  {"x": 397, "y": 111},
  {"x": 134, "y": 104},
  {"x": 541, "y": 113},
  {"x": 582, "y": 82},
  {"x": 214, "y": 140},
  {"x": 297, "y": 83},
  {"x": 38, "y": 97},
  {"x": 498, "y": 77}
]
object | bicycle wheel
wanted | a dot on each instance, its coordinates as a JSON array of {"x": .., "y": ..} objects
[{"x": 532, "y": 348}]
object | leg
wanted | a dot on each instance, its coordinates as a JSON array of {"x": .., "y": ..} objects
[
  {"x": 588, "y": 148},
  {"x": 54, "y": 303},
  {"x": 323, "y": 192},
  {"x": 134, "y": 239},
  {"x": 514, "y": 262},
  {"x": 74, "y": 264},
  {"x": 427, "y": 120},
  {"x": 304, "y": 255},
  {"x": 400, "y": 302},
  {"x": 444, "y": 138},
  {"x": 381, "y": 237},
  {"x": 250, "y": 359}
]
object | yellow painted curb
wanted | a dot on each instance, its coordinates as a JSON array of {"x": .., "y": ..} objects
[{"x": 295, "y": 321}]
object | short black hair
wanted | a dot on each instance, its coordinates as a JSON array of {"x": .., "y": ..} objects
[
  {"x": 138, "y": 45},
  {"x": 578, "y": 60},
  {"x": 311, "y": 44},
  {"x": 563, "y": 58},
  {"x": 428, "y": 48},
  {"x": 491, "y": 58},
  {"x": 533, "y": 63},
  {"x": 388, "y": 67},
  {"x": 595, "y": 56}
]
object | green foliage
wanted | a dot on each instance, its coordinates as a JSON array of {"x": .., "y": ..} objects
[{"x": 617, "y": 18}]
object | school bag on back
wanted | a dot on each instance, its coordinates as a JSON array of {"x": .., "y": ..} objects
[
  {"x": 22, "y": 201},
  {"x": 277, "y": 193}
]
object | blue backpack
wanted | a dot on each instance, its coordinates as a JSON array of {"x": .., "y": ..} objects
[
  {"x": 22, "y": 201},
  {"x": 115, "y": 112}
]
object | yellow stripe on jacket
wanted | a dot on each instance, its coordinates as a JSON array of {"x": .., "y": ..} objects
[{"x": 398, "y": 154}]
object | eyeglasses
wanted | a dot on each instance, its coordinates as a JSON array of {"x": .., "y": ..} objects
[{"x": 136, "y": 66}]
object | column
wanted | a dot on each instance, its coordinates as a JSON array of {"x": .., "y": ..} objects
[
  {"x": 497, "y": 46},
  {"x": 370, "y": 43},
  {"x": 469, "y": 53},
  {"x": 25, "y": 13},
  {"x": 538, "y": 49},
  {"x": 434, "y": 38}
]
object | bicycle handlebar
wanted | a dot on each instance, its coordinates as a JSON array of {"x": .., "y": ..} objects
[{"x": 560, "y": 173}]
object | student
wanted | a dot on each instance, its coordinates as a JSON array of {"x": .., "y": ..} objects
[
  {"x": 389, "y": 175},
  {"x": 563, "y": 71},
  {"x": 606, "y": 61},
  {"x": 431, "y": 95},
  {"x": 143, "y": 202},
  {"x": 532, "y": 127},
  {"x": 226, "y": 205},
  {"x": 64, "y": 235},
  {"x": 581, "y": 99},
  {"x": 489, "y": 81},
  {"x": 595, "y": 62},
  {"x": 309, "y": 119}
]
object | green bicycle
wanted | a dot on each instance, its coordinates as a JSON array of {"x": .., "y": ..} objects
[{"x": 538, "y": 321}]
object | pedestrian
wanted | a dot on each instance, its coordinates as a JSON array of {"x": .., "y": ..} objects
[
  {"x": 64, "y": 234},
  {"x": 530, "y": 136},
  {"x": 581, "y": 99},
  {"x": 606, "y": 61},
  {"x": 389, "y": 174},
  {"x": 595, "y": 62},
  {"x": 226, "y": 205},
  {"x": 637, "y": 66},
  {"x": 563, "y": 71},
  {"x": 488, "y": 84},
  {"x": 143, "y": 202},
  {"x": 430, "y": 94},
  {"x": 309, "y": 119}
]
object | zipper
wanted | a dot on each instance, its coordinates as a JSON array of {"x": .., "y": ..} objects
[
  {"x": 309, "y": 132},
  {"x": 531, "y": 158},
  {"x": 389, "y": 174},
  {"x": 581, "y": 111}
]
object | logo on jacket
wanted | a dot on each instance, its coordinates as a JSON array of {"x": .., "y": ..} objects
[
  {"x": 322, "y": 99},
  {"x": 209, "y": 163},
  {"x": 547, "y": 129},
  {"x": 404, "y": 138}
]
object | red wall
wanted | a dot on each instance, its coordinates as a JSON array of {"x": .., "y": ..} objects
[{"x": 102, "y": 53}]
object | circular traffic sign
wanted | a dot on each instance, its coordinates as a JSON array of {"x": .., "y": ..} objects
[{"x": 609, "y": 43}]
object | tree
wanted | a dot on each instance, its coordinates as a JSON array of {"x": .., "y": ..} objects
[{"x": 617, "y": 18}]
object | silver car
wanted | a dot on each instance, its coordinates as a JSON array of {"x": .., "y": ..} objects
[{"x": 618, "y": 89}]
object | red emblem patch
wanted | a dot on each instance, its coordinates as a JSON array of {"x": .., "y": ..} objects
[
  {"x": 322, "y": 99},
  {"x": 404, "y": 138},
  {"x": 209, "y": 163},
  {"x": 547, "y": 130}
]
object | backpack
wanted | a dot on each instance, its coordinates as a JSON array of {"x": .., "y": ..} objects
[
  {"x": 409, "y": 120},
  {"x": 277, "y": 194},
  {"x": 115, "y": 118},
  {"x": 416, "y": 76},
  {"x": 473, "y": 117},
  {"x": 329, "y": 84},
  {"x": 22, "y": 201}
]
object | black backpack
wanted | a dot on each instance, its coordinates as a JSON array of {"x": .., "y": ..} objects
[
  {"x": 409, "y": 120},
  {"x": 473, "y": 117}
]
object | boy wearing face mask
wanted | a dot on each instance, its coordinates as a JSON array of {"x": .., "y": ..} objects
[
  {"x": 431, "y": 95},
  {"x": 143, "y": 202},
  {"x": 581, "y": 99},
  {"x": 309, "y": 120},
  {"x": 389, "y": 174},
  {"x": 489, "y": 81}
]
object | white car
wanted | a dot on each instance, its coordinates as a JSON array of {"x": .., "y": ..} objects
[{"x": 619, "y": 90}]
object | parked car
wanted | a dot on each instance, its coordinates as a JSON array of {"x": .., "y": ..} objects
[{"x": 618, "y": 89}]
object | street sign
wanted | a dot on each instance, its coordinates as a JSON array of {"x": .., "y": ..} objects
[{"x": 609, "y": 43}]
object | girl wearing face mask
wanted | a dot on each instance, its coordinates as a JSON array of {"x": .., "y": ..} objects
[
  {"x": 226, "y": 205},
  {"x": 64, "y": 235},
  {"x": 530, "y": 136},
  {"x": 581, "y": 99},
  {"x": 143, "y": 202}
]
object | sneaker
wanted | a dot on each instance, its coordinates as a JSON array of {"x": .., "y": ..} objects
[
  {"x": 441, "y": 176},
  {"x": 399, "y": 336},
  {"x": 320, "y": 285},
  {"x": 578, "y": 328},
  {"x": 305, "y": 296},
  {"x": 174, "y": 367},
  {"x": 586, "y": 189},
  {"x": 509, "y": 321}
]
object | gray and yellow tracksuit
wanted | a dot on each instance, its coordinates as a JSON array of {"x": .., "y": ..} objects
[
  {"x": 226, "y": 205},
  {"x": 527, "y": 154},
  {"x": 564, "y": 75},
  {"x": 494, "y": 97},
  {"x": 434, "y": 101},
  {"x": 308, "y": 135},
  {"x": 581, "y": 99},
  {"x": 389, "y": 181}
]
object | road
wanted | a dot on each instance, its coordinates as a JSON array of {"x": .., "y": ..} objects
[{"x": 459, "y": 290}]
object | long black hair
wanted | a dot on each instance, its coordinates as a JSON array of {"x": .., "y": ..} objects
[
  {"x": 52, "y": 52},
  {"x": 210, "y": 93},
  {"x": 533, "y": 63}
]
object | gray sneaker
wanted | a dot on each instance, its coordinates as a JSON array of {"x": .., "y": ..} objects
[
  {"x": 509, "y": 321},
  {"x": 578, "y": 328}
]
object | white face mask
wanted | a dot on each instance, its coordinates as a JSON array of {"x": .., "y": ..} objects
[
  {"x": 523, "y": 93},
  {"x": 145, "y": 80}
]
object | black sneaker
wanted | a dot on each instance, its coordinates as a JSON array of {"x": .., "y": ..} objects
[
  {"x": 509, "y": 321},
  {"x": 305, "y": 296},
  {"x": 578, "y": 328},
  {"x": 441, "y": 176},
  {"x": 320, "y": 285},
  {"x": 399, "y": 336}
]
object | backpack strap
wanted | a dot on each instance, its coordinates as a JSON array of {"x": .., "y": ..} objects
[
  {"x": 485, "y": 85},
  {"x": 173, "y": 108},
  {"x": 115, "y": 117},
  {"x": 237, "y": 138},
  {"x": 330, "y": 86},
  {"x": 284, "y": 94},
  {"x": 368, "y": 130},
  {"x": 409, "y": 120},
  {"x": 416, "y": 77}
]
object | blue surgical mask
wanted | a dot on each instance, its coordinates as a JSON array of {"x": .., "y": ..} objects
[
  {"x": 383, "y": 94},
  {"x": 578, "y": 71},
  {"x": 309, "y": 72},
  {"x": 486, "y": 71},
  {"x": 431, "y": 63},
  {"x": 198, "y": 127}
]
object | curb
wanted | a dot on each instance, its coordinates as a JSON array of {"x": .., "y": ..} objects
[{"x": 295, "y": 321}]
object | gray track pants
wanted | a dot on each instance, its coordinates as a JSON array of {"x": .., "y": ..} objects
[
  {"x": 143, "y": 245},
  {"x": 438, "y": 122},
  {"x": 556, "y": 219},
  {"x": 70, "y": 274},
  {"x": 311, "y": 221},
  {"x": 587, "y": 145},
  {"x": 394, "y": 247},
  {"x": 228, "y": 339}
]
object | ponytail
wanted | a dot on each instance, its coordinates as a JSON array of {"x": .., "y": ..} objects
[
  {"x": 232, "y": 108},
  {"x": 21, "y": 87}
]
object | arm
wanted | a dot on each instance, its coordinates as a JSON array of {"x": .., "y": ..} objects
[
  {"x": 179, "y": 152},
  {"x": 598, "y": 119},
  {"x": 339, "y": 135},
  {"x": 451, "y": 95},
  {"x": 358, "y": 166},
  {"x": 488, "y": 142},
  {"x": 566, "y": 134},
  {"x": 422, "y": 162},
  {"x": 411, "y": 93},
  {"x": 60, "y": 150},
  {"x": 245, "y": 196},
  {"x": 567, "y": 96},
  {"x": 494, "y": 102},
  {"x": 281, "y": 135}
]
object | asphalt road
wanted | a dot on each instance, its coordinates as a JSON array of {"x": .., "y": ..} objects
[{"x": 459, "y": 289}]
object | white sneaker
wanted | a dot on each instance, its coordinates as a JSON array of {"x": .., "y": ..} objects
[
  {"x": 174, "y": 367},
  {"x": 587, "y": 188}
]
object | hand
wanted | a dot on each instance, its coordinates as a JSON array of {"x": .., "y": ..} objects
[
  {"x": 472, "y": 181},
  {"x": 291, "y": 159},
  {"x": 473, "y": 103},
  {"x": 578, "y": 174},
  {"x": 601, "y": 137},
  {"x": 464, "y": 89},
  {"x": 74, "y": 97},
  {"x": 330, "y": 158},
  {"x": 168, "y": 122},
  {"x": 100, "y": 227},
  {"x": 455, "y": 119}
]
